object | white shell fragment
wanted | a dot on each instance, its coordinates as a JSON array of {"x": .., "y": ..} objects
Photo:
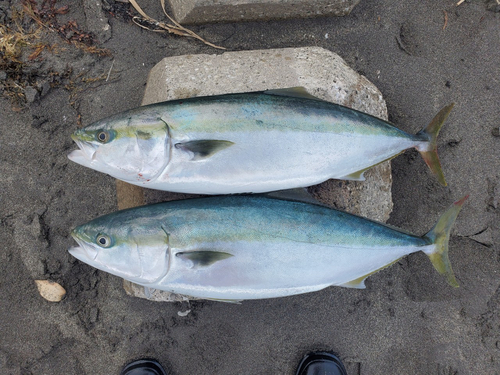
[{"x": 50, "y": 290}]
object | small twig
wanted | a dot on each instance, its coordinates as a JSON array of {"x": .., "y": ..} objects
[
  {"x": 29, "y": 10},
  {"x": 174, "y": 21},
  {"x": 460, "y": 2},
  {"x": 445, "y": 19},
  {"x": 109, "y": 73},
  {"x": 138, "y": 8},
  {"x": 174, "y": 28}
]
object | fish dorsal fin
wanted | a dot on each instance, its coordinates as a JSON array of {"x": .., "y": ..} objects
[
  {"x": 204, "y": 258},
  {"x": 296, "y": 195},
  {"x": 204, "y": 148},
  {"x": 294, "y": 92}
]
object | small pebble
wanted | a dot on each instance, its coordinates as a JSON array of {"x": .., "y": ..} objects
[
  {"x": 50, "y": 290},
  {"x": 45, "y": 88},
  {"x": 30, "y": 93},
  {"x": 496, "y": 132}
]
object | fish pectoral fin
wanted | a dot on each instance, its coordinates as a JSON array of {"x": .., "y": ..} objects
[
  {"x": 204, "y": 148},
  {"x": 295, "y": 92},
  {"x": 204, "y": 258}
]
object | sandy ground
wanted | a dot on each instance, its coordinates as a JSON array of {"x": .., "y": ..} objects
[{"x": 407, "y": 321}]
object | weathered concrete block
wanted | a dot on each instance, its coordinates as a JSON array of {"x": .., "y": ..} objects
[
  {"x": 323, "y": 74},
  {"x": 207, "y": 11}
]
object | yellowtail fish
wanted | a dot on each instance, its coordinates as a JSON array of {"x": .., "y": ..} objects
[
  {"x": 246, "y": 143},
  {"x": 234, "y": 248}
]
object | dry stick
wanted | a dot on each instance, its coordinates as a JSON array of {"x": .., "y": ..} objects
[
  {"x": 176, "y": 28},
  {"x": 109, "y": 73}
]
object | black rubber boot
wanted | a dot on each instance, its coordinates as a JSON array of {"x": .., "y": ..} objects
[
  {"x": 321, "y": 363},
  {"x": 143, "y": 367}
]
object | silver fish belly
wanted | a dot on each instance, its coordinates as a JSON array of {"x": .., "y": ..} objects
[
  {"x": 244, "y": 247},
  {"x": 245, "y": 143}
]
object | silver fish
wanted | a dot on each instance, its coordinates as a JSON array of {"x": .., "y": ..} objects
[
  {"x": 235, "y": 248},
  {"x": 246, "y": 143}
]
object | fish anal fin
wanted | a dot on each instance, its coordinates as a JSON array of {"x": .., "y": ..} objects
[
  {"x": 204, "y": 148},
  {"x": 204, "y": 258},
  {"x": 148, "y": 292},
  {"x": 356, "y": 176},
  {"x": 235, "y": 301},
  {"x": 359, "y": 175},
  {"x": 294, "y": 92},
  {"x": 359, "y": 283}
]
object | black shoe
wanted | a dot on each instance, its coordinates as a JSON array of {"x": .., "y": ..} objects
[
  {"x": 143, "y": 367},
  {"x": 321, "y": 363}
]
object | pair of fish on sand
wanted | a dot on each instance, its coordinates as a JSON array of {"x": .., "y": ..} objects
[{"x": 238, "y": 247}]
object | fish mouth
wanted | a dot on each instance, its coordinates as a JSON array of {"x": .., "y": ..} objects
[
  {"x": 83, "y": 252},
  {"x": 85, "y": 154}
]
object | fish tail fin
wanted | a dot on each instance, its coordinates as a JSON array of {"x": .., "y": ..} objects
[
  {"x": 440, "y": 235},
  {"x": 429, "y": 134}
]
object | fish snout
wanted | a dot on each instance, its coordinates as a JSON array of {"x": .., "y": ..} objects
[
  {"x": 85, "y": 252},
  {"x": 85, "y": 153}
]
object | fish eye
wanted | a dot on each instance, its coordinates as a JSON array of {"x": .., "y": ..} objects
[
  {"x": 103, "y": 240},
  {"x": 103, "y": 136}
]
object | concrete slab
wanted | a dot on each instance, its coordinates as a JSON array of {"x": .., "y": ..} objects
[
  {"x": 323, "y": 74},
  {"x": 209, "y": 11}
]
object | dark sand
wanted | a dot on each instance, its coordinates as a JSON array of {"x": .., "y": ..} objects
[{"x": 407, "y": 321}]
